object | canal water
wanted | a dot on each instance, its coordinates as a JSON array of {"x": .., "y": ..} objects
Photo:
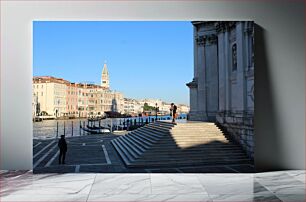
[{"x": 47, "y": 129}]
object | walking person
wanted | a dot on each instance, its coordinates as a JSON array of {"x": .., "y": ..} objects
[
  {"x": 173, "y": 109},
  {"x": 62, "y": 144}
]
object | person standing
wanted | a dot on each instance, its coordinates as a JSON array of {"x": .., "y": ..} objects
[
  {"x": 173, "y": 109},
  {"x": 62, "y": 144}
]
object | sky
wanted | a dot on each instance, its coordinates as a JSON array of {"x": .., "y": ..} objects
[{"x": 144, "y": 59}]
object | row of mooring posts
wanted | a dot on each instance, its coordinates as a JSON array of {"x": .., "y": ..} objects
[
  {"x": 126, "y": 122},
  {"x": 72, "y": 129}
]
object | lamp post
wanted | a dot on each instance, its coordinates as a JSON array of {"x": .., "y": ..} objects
[{"x": 155, "y": 112}]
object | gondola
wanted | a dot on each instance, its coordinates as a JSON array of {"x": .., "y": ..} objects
[
  {"x": 96, "y": 131},
  {"x": 96, "y": 127}
]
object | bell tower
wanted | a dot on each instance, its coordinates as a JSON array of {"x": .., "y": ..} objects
[{"x": 105, "y": 77}]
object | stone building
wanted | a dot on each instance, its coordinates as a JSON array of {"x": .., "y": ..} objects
[
  {"x": 57, "y": 97},
  {"x": 51, "y": 94},
  {"x": 132, "y": 107},
  {"x": 222, "y": 89}
]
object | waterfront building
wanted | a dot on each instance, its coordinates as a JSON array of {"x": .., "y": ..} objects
[
  {"x": 51, "y": 95},
  {"x": 165, "y": 108},
  {"x": 72, "y": 99},
  {"x": 57, "y": 97},
  {"x": 35, "y": 105},
  {"x": 132, "y": 106},
  {"x": 182, "y": 109},
  {"x": 222, "y": 89},
  {"x": 82, "y": 100}
]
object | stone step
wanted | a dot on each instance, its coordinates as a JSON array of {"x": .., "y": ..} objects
[
  {"x": 196, "y": 127},
  {"x": 149, "y": 134},
  {"x": 143, "y": 144},
  {"x": 134, "y": 147},
  {"x": 136, "y": 143},
  {"x": 164, "y": 125},
  {"x": 200, "y": 130},
  {"x": 154, "y": 132},
  {"x": 163, "y": 144},
  {"x": 216, "y": 147},
  {"x": 200, "y": 137},
  {"x": 196, "y": 124},
  {"x": 193, "y": 137},
  {"x": 141, "y": 139},
  {"x": 161, "y": 125},
  {"x": 190, "y": 142},
  {"x": 191, "y": 154},
  {"x": 196, "y": 137},
  {"x": 124, "y": 156},
  {"x": 152, "y": 164},
  {"x": 191, "y": 158},
  {"x": 145, "y": 136},
  {"x": 211, "y": 138},
  {"x": 126, "y": 148}
]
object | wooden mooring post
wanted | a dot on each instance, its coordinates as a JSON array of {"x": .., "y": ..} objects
[
  {"x": 57, "y": 129},
  {"x": 71, "y": 128},
  {"x": 80, "y": 128},
  {"x": 83, "y": 127}
]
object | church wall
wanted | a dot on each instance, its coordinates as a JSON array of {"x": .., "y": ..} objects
[{"x": 223, "y": 87}]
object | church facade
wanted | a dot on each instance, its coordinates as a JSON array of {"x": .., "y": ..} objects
[{"x": 222, "y": 89}]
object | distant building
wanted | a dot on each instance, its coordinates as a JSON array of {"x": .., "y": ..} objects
[
  {"x": 183, "y": 109},
  {"x": 132, "y": 106},
  {"x": 58, "y": 97}
]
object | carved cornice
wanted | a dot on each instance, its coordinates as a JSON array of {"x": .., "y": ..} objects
[
  {"x": 249, "y": 29},
  {"x": 224, "y": 26},
  {"x": 206, "y": 39}
]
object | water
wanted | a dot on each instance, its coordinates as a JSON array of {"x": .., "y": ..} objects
[{"x": 47, "y": 128}]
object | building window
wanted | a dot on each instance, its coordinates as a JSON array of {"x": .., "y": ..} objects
[{"x": 234, "y": 57}]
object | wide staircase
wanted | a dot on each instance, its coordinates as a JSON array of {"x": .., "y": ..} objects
[{"x": 164, "y": 144}]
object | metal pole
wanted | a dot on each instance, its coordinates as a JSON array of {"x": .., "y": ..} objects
[{"x": 155, "y": 112}]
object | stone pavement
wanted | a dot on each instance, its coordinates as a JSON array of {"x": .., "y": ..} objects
[
  {"x": 95, "y": 153},
  {"x": 286, "y": 186}
]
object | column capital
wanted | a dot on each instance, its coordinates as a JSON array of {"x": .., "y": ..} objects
[{"x": 206, "y": 39}]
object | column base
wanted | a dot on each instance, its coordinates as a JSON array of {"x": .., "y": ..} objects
[{"x": 200, "y": 116}]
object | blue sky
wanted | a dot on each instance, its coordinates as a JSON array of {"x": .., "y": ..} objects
[{"x": 144, "y": 59}]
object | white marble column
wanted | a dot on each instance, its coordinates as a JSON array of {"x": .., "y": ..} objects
[
  {"x": 201, "y": 82},
  {"x": 222, "y": 77},
  {"x": 240, "y": 99},
  {"x": 227, "y": 68}
]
